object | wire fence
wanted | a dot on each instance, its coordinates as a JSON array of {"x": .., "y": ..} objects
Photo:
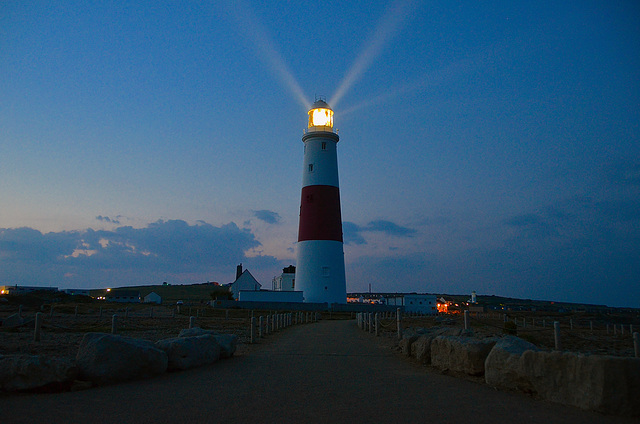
[{"x": 570, "y": 332}]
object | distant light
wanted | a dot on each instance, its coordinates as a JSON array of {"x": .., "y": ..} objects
[{"x": 108, "y": 290}]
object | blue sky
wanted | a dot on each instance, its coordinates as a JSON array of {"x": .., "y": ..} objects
[{"x": 492, "y": 147}]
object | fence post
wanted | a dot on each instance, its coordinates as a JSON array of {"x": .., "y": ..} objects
[
  {"x": 622, "y": 329},
  {"x": 636, "y": 344},
  {"x": 591, "y": 326},
  {"x": 556, "y": 335},
  {"x": 399, "y": 323},
  {"x": 377, "y": 319},
  {"x": 114, "y": 324},
  {"x": 101, "y": 312},
  {"x": 126, "y": 312},
  {"x": 466, "y": 320},
  {"x": 151, "y": 312},
  {"x": 253, "y": 330},
  {"x": 544, "y": 323},
  {"x": 261, "y": 324},
  {"x": 571, "y": 323},
  {"x": 192, "y": 322},
  {"x": 36, "y": 333}
]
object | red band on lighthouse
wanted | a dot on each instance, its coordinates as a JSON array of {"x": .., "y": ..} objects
[{"x": 320, "y": 217}]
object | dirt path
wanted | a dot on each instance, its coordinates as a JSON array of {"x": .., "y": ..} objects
[{"x": 328, "y": 372}]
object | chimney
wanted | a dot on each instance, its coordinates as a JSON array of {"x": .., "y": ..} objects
[{"x": 238, "y": 271}]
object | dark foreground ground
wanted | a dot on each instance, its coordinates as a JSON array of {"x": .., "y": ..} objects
[{"x": 327, "y": 372}]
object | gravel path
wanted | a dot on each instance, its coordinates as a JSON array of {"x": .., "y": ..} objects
[{"x": 328, "y": 372}]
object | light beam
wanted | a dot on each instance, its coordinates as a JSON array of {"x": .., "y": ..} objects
[
  {"x": 393, "y": 19},
  {"x": 260, "y": 39}
]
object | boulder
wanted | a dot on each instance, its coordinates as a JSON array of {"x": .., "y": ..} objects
[
  {"x": 406, "y": 342},
  {"x": 106, "y": 358},
  {"x": 228, "y": 344},
  {"x": 604, "y": 384},
  {"x": 28, "y": 372},
  {"x": 190, "y": 352},
  {"x": 14, "y": 320},
  {"x": 463, "y": 354},
  {"x": 503, "y": 367},
  {"x": 421, "y": 348},
  {"x": 195, "y": 331}
]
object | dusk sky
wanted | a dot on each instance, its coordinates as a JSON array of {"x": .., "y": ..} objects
[{"x": 487, "y": 146}]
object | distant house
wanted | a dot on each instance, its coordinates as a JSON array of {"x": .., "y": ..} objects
[
  {"x": 123, "y": 296},
  {"x": 286, "y": 281},
  {"x": 17, "y": 290},
  {"x": 153, "y": 297},
  {"x": 244, "y": 281}
]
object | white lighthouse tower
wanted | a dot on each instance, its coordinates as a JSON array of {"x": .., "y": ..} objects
[{"x": 320, "y": 266}]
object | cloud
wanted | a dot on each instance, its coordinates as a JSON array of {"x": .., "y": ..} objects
[
  {"x": 115, "y": 220},
  {"x": 169, "y": 250},
  {"x": 352, "y": 233},
  {"x": 267, "y": 216}
]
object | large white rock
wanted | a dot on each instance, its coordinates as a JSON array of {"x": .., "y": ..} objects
[
  {"x": 195, "y": 331},
  {"x": 106, "y": 358},
  {"x": 463, "y": 354},
  {"x": 28, "y": 372},
  {"x": 190, "y": 352},
  {"x": 503, "y": 368},
  {"x": 421, "y": 348},
  {"x": 14, "y": 320},
  {"x": 605, "y": 384},
  {"x": 228, "y": 344}
]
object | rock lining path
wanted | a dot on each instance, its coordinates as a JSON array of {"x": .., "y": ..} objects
[{"x": 326, "y": 372}]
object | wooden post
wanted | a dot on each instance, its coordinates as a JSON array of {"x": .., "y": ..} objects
[
  {"x": 622, "y": 329},
  {"x": 607, "y": 328},
  {"x": 399, "y": 323},
  {"x": 252, "y": 330},
  {"x": 36, "y": 333},
  {"x": 591, "y": 326},
  {"x": 466, "y": 320},
  {"x": 260, "y": 325},
  {"x": 556, "y": 335},
  {"x": 151, "y": 312},
  {"x": 114, "y": 324},
  {"x": 101, "y": 312},
  {"x": 636, "y": 344},
  {"x": 571, "y": 323},
  {"x": 192, "y": 322},
  {"x": 377, "y": 323},
  {"x": 126, "y": 312}
]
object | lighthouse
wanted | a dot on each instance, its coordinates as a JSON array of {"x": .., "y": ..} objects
[{"x": 320, "y": 266}]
